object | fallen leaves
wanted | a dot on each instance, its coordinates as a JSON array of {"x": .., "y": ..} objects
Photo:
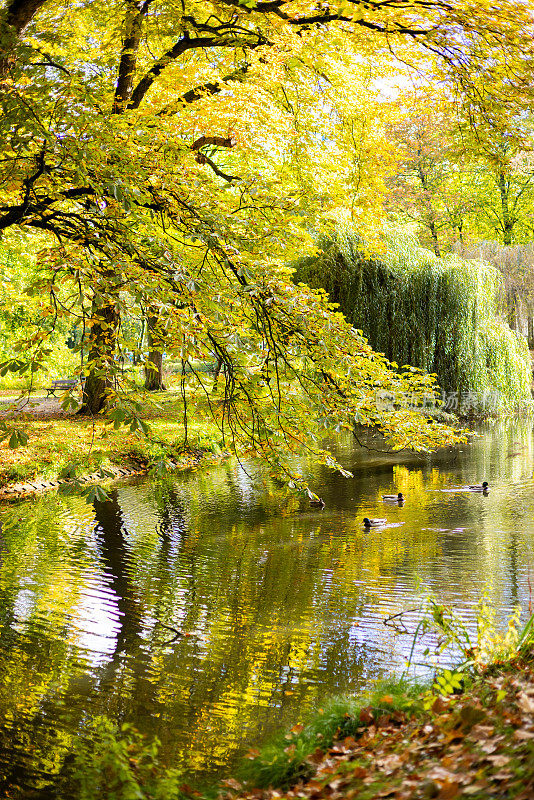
[
  {"x": 366, "y": 716},
  {"x": 525, "y": 703},
  {"x": 523, "y": 735},
  {"x": 475, "y": 745}
]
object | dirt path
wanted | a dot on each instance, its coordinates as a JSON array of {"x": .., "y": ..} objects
[{"x": 39, "y": 407}]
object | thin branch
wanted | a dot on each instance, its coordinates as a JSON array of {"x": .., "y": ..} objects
[
  {"x": 202, "y": 158},
  {"x": 188, "y": 43}
]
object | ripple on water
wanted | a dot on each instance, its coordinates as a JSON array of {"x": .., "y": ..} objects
[{"x": 211, "y": 612}]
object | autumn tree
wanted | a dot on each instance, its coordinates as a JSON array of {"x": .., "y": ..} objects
[
  {"x": 503, "y": 181},
  {"x": 432, "y": 182},
  {"x": 138, "y": 138},
  {"x": 461, "y": 173}
]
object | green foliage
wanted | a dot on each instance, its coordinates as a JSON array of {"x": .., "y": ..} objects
[
  {"x": 472, "y": 652},
  {"x": 286, "y": 758},
  {"x": 475, "y": 653},
  {"x": 437, "y": 314},
  {"x": 117, "y": 764},
  {"x": 525, "y": 638},
  {"x": 21, "y": 317},
  {"x": 448, "y": 682},
  {"x": 16, "y": 436}
]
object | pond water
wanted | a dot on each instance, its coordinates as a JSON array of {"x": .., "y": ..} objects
[{"x": 278, "y": 605}]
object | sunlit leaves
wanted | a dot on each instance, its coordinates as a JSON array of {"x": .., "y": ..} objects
[
  {"x": 16, "y": 437},
  {"x": 95, "y": 493},
  {"x": 448, "y": 682},
  {"x": 137, "y": 214}
]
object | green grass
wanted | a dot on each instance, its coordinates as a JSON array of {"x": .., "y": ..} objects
[
  {"x": 60, "y": 446},
  {"x": 284, "y": 760}
]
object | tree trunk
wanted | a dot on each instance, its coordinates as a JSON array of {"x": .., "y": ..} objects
[
  {"x": 218, "y": 369},
  {"x": 511, "y": 302},
  {"x": 508, "y": 222},
  {"x": 101, "y": 358},
  {"x": 435, "y": 240},
  {"x": 16, "y": 16},
  {"x": 530, "y": 330},
  {"x": 430, "y": 209},
  {"x": 154, "y": 364}
]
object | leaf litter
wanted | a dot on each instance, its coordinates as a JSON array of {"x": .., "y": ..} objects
[{"x": 476, "y": 745}]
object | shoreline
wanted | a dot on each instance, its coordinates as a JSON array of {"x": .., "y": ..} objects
[
  {"x": 113, "y": 473},
  {"x": 65, "y": 449},
  {"x": 476, "y": 742},
  {"x": 401, "y": 740}
]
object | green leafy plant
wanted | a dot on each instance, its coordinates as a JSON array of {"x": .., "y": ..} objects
[
  {"x": 473, "y": 652},
  {"x": 113, "y": 763},
  {"x": 448, "y": 682}
]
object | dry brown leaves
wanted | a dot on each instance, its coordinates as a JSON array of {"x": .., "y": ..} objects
[{"x": 479, "y": 745}]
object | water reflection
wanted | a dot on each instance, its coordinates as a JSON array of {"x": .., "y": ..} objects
[{"x": 213, "y": 610}]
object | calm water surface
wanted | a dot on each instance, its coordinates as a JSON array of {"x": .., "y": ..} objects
[{"x": 278, "y": 606}]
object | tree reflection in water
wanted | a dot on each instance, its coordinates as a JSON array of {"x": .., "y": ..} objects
[{"x": 277, "y": 606}]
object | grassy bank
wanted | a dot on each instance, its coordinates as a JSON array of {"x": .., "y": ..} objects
[
  {"x": 398, "y": 741},
  {"x": 469, "y": 734},
  {"x": 63, "y": 446},
  {"x": 478, "y": 744}
]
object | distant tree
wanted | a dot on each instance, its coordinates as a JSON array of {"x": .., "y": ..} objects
[
  {"x": 516, "y": 262},
  {"x": 462, "y": 173},
  {"x": 431, "y": 183}
]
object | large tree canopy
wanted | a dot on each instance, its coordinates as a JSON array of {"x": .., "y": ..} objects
[{"x": 154, "y": 153}]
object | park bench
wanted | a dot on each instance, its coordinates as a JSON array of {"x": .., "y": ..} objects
[{"x": 62, "y": 384}]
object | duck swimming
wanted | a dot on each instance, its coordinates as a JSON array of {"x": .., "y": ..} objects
[
  {"x": 394, "y": 498},
  {"x": 317, "y": 502},
  {"x": 479, "y": 487},
  {"x": 371, "y": 523}
]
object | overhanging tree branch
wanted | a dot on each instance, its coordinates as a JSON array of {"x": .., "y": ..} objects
[
  {"x": 216, "y": 141},
  {"x": 250, "y": 41},
  {"x": 202, "y": 90},
  {"x": 19, "y": 13},
  {"x": 202, "y": 158},
  {"x": 135, "y": 15}
]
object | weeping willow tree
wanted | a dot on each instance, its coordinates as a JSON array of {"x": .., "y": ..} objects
[{"x": 437, "y": 314}]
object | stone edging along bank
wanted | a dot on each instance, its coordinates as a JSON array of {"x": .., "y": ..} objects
[
  {"x": 40, "y": 485},
  {"x": 113, "y": 473}
]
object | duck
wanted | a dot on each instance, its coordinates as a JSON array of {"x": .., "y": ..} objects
[
  {"x": 394, "y": 498},
  {"x": 372, "y": 523},
  {"x": 479, "y": 487},
  {"x": 317, "y": 502}
]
